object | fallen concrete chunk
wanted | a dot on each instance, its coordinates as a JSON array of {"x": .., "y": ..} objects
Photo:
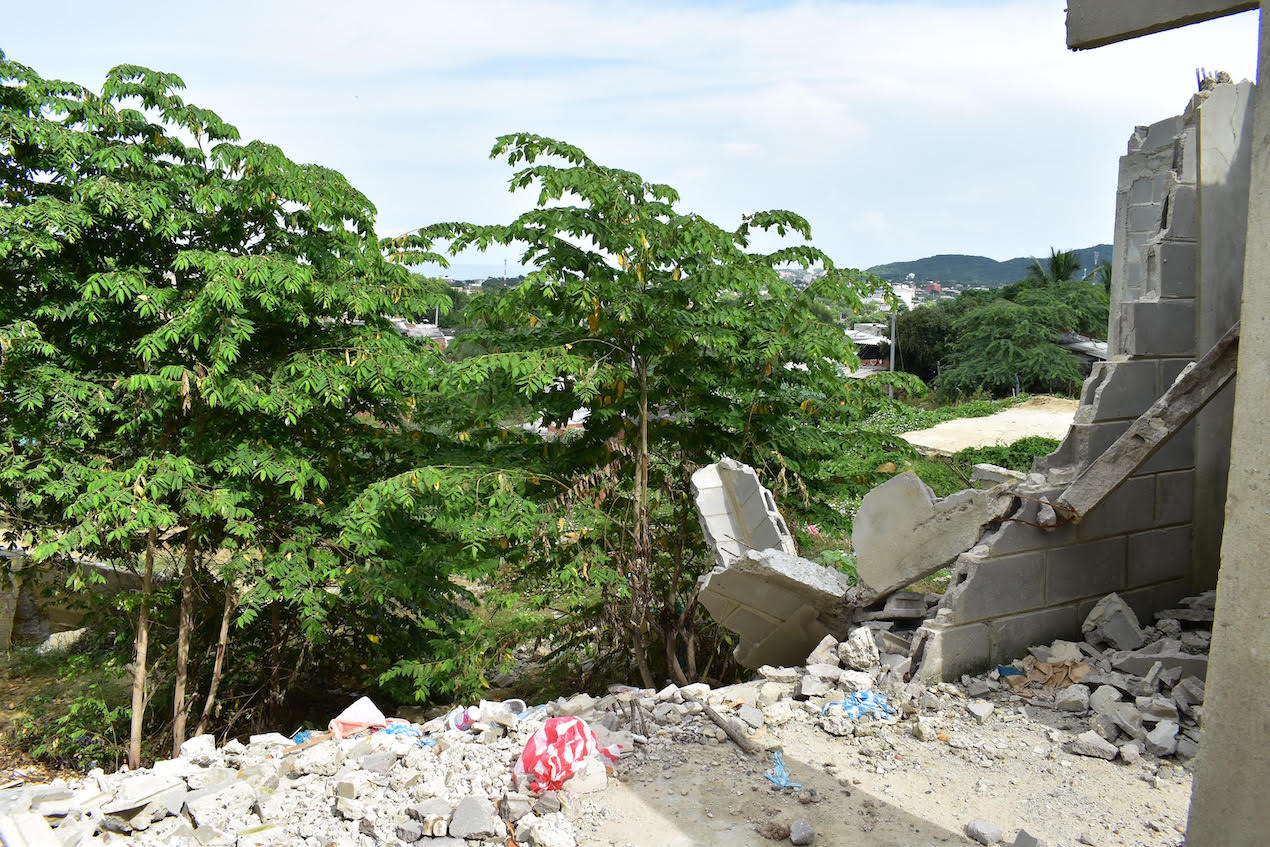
[
  {"x": 903, "y": 533},
  {"x": 1188, "y": 693},
  {"x": 859, "y": 652},
  {"x": 801, "y": 832},
  {"x": 782, "y": 606},
  {"x": 826, "y": 652},
  {"x": 1089, "y": 743},
  {"x": 1162, "y": 741},
  {"x": 980, "y": 710},
  {"x": 1168, "y": 653},
  {"x": 474, "y": 818},
  {"x": 738, "y": 514},
  {"x": 984, "y": 832},
  {"x": 1113, "y": 622},
  {"x": 1073, "y": 698},
  {"x": 1025, "y": 839}
]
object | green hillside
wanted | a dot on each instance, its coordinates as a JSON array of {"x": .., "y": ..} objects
[{"x": 977, "y": 270}]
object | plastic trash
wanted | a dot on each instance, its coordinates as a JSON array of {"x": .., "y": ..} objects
[
  {"x": 1008, "y": 670},
  {"x": 303, "y": 735},
  {"x": 863, "y": 703},
  {"x": 461, "y": 718},
  {"x": 779, "y": 774},
  {"x": 401, "y": 728},
  {"x": 556, "y": 750},
  {"x": 362, "y": 715}
]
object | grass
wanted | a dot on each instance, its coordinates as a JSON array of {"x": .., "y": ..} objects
[{"x": 904, "y": 417}]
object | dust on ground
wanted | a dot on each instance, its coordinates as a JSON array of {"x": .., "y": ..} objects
[
  {"x": 890, "y": 789},
  {"x": 1049, "y": 417}
]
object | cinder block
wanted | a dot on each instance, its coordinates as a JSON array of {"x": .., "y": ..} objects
[
  {"x": 1146, "y": 217},
  {"x": 1166, "y": 328},
  {"x": 1171, "y": 269},
  {"x": 1145, "y": 602},
  {"x": 1128, "y": 389},
  {"x": 1170, "y": 369},
  {"x": 1174, "y": 497},
  {"x": 999, "y": 586},
  {"x": 1086, "y": 570},
  {"x": 1015, "y": 536},
  {"x": 1130, "y": 507},
  {"x": 948, "y": 652},
  {"x": 1181, "y": 213},
  {"x": 1147, "y": 189},
  {"x": 1176, "y": 454},
  {"x": 1159, "y": 555},
  {"x": 1162, "y": 133},
  {"x": 1011, "y": 636}
]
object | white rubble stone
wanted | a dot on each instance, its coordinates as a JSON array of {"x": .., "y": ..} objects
[
  {"x": 1162, "y": 741},
  {"x": 1089, "y": 743},
  {"x": 980, "y": 710},
  {"x": 854, "y": 681},
  {"x": 860, "y": 651},
  {"x": 1073, "y": 698},
  {"x": 200, "y": 745},
  {"x": 826, "y": 652},
  {"x": 983, "y": 832}
]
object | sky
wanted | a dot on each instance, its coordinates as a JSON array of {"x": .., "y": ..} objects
[{"x": 898, "y": 129}]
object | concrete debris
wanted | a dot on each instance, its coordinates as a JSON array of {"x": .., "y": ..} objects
[
  {"x": 860, "y": 651},
  {"x": 435, "y": 784},
  {"x": 781, "y": 605},
  {"x": 904, "y": 533},
  {"x": 983, "y": 832},
  {"x": 1091, "y": 743},
  {"x": 801, "y": 832},
  {"x": 1113, "y": 622}
]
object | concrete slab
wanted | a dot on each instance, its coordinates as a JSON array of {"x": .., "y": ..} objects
[{"x": 904, "y": 533}]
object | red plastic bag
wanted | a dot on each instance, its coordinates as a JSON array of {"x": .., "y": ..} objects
[{"x": 556, "y": 750}]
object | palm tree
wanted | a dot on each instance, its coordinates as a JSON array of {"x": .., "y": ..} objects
[{"x": 1062, "y": 266}]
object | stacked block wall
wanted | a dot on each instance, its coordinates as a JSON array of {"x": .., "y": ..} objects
[{"x": 1175, "y": 286}]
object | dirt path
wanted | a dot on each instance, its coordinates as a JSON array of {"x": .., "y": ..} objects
[
  {"x": 1044, "y": 416},
  {"x": 891, "y": 790}
]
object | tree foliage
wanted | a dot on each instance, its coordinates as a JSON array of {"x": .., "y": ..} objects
[
  {"x": 694, "y": 347},
  {"x": 1006, "y": 340},
  {"x": 198, "y": 382}
]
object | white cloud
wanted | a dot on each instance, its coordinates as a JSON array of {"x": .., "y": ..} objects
[{"x": 959, "y": 127}]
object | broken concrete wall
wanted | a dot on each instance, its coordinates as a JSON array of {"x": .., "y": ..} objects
[
  {"x": 1176, "y": 284},
  {"x": 779, "y": 603}
]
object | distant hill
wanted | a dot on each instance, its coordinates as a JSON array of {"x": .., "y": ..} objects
[{"x": 978, "y": 270}]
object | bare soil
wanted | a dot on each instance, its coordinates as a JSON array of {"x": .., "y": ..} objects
[
  {"x": 892, "y": 789},
  {"x": 1049, "y": 417}
]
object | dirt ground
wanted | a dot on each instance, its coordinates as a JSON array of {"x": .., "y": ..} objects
[
  {"x": 892, "y": 789},
  {"x": 1043, "y": 416}
]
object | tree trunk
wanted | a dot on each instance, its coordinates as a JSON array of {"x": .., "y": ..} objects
[
  {"x": 142, "y": 646},
  {"x": 222, "y": 644},
  {"x": 179, "y": 707}
]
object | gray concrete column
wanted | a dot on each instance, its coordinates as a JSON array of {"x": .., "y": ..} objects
[{"x": 1228, "y": 802}]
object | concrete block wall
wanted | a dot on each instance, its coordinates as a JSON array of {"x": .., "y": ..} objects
[{"x": 1176, "y": 286}]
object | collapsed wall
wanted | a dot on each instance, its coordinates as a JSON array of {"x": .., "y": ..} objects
[
  {"x": 1176, "y": 283},
  {"x": 1022, "y": 571}
]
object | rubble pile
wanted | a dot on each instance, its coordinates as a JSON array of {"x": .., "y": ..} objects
[{"x": 1127, "y": 692}]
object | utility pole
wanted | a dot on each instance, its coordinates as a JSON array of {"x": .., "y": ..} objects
[{"x": 890, "y": 389}]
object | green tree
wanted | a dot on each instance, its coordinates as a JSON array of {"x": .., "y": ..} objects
[
  {"x": 1010, "y": 341},
  {"x": 925, "y": 336},
  {"x": 195, "y": 368},
  {"x": 694, "y": 347},
  {"x": 1061, "y": 266}
]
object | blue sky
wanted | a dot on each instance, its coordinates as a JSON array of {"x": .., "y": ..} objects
[{"x": 898, "y": 129}]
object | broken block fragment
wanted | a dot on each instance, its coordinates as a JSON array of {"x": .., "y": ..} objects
[
  {"x": 904, "y": 533},
  {"x": 738, "y": 514},
  {"x": 781, "y": 605}
]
